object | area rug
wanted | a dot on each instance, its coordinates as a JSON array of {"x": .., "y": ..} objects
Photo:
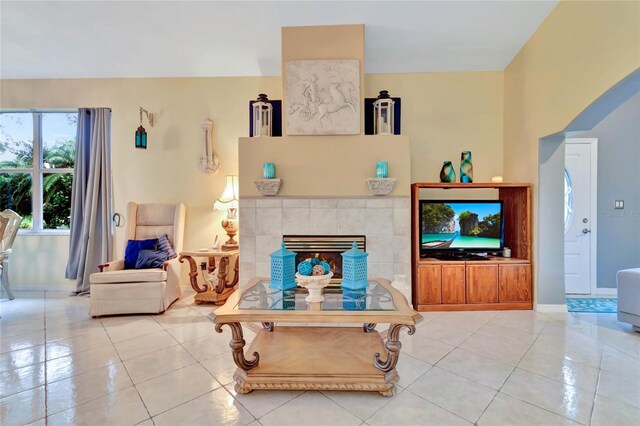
[{"x": 602, "y": 305}]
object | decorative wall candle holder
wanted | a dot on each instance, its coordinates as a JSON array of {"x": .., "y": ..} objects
[
  {"x": 381, "y": 186},
  {"x": 382, "y": 169},
  {"x": 466, "y": 167},
  {"x": 268, "y": 187},
  {"x": 262, "y": 116},
  {"x": 269, "y": 170},
  {"x": 383, "y": 114},
  {"x": 447, "y": 173}
]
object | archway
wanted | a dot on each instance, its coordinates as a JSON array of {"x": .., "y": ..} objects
[{"x": 550, "y": 248}]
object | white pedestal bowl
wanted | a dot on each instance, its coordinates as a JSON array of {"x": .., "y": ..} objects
[{"x": 314, "y": 284}]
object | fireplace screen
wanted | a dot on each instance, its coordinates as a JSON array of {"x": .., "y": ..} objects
[{"x": 325, "y": 247}]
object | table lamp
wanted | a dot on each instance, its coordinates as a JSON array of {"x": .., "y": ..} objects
[{"x": 229, "y": 201}]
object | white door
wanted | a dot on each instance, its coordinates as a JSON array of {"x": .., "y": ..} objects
[{"x": 580, "y": 201}]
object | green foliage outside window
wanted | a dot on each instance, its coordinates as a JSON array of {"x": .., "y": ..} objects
[{"x": 16, "y": 189}]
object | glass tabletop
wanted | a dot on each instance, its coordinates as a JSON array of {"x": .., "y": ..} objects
[{"x": 263, "y": 297}]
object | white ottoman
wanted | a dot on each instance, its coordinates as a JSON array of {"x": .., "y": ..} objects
[{"x": 628, "y": 281}]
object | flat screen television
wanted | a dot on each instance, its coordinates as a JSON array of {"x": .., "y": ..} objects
[{"x": 462, "y": 226}]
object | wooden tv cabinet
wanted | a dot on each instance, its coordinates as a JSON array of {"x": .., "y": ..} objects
[{"x": 471, "y": 285}]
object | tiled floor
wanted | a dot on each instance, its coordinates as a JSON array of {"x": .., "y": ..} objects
[{"x": 59, "y": 366}]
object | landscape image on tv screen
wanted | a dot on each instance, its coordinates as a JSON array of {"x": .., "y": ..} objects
[{"x": 461, "y": 225}]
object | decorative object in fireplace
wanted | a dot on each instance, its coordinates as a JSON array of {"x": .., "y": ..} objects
[{"x": 325, "y": 247}]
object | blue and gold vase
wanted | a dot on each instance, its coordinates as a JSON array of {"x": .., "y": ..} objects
[
  {"x": 466, "y": 167},
  {"x": 447, "y": 173}
]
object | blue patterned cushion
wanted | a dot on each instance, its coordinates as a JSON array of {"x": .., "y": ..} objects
[
  {"x": 133, "y": 249},
  {"x": 150, "y": 259},
  {"x": 165, "y": 246}
]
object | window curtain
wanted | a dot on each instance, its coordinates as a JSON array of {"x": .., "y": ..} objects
[{"x": 91, "y": 238}]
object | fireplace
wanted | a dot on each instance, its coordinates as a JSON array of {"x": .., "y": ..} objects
[{"x": 328, "y": 248}]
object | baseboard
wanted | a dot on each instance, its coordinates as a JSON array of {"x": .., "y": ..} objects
[
  {"x": 559, "y": 308},
  {"x": 607, "y": 292}
]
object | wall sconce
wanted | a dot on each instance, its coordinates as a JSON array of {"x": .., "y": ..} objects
[
  {"x": 141, "y": 133},
  {"x": 209, "y": 162}
]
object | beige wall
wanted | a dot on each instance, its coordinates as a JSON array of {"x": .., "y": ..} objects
[
  {"x": 579, "y": 52},
  {"x": 443, "y": 114},
  {"x": 324, "y": 166},
  {"x": 39, "y": 261},
  {"x": 168, "y": 170},
  {"x": 323, "y": 42}
]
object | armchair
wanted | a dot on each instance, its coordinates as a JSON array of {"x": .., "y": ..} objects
[
  {"x": 115, "y": 290},
  {"x": 11, "y": 221}
]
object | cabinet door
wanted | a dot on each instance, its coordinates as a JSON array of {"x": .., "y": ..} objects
[
  {"x": 453, "y": 284},
  {"x": 515, "y": 283},
  {"x": 482, "y": 284},
  {"x": 429, "y": 285}
]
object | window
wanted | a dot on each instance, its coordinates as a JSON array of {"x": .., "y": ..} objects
[
  {"x": 568, "y": 200},
  {"x": 37, "y": 155}
]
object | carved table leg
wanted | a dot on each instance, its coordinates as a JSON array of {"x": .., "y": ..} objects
[
  {"x": 236, "y": 276},
  {"x": 222, "y": 274},
  {"x": 267, "y": 326},
  {"x": 393, "y": 347},
  {"x": 368, "y": 327},
  {"x": 193, "y": 274},
  {"x": 212, "y": 264},
  {"x": 236, "y": 344}
]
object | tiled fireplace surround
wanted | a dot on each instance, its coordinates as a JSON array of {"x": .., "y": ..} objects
[{"x": 384, "y": 221}]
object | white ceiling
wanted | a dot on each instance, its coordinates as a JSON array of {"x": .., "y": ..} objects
[{"x": 56, "y": 39}]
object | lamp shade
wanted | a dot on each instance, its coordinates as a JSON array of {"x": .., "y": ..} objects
[{"x": 229, "y": 197}]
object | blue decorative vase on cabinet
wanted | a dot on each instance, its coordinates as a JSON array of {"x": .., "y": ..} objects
[
  {"x": 466, "y": 167},
  {"x": 447, "y": 173}
]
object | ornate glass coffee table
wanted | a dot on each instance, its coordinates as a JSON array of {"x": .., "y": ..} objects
[{"x": 317, "y": 357}]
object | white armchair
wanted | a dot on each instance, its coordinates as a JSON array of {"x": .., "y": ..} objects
[
  {"x": 11, "y": 222},
  {"x": 115, "y": 290}
]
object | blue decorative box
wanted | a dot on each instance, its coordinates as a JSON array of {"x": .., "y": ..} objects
[
  {"x": 354, "y": 268},
  {"x": 283, "y": 269}
]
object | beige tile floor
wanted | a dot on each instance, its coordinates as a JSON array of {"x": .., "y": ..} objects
[{"x": 59, "y": 366}]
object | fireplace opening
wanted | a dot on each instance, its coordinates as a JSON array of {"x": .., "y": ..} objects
[{"x": 328, "y": 248}]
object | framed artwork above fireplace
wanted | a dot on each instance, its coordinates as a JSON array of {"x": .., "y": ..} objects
[{"x": 322, "y": 97}]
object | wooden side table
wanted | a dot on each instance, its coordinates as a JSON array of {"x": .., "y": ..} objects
[{"x": 219, "y": 293}]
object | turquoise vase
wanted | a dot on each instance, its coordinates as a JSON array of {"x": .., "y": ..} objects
[
  {"x": 382, "y": 169},
  {"x": 269, "y": 170},
  {"x": 447, "y": 173},
  {"x": 466, "y": 167}
]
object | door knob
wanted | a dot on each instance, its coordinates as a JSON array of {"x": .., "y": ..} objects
[{"x": 586, "y": 231}]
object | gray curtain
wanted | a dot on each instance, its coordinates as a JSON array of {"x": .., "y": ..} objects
[{"x": 91, "y": 239}]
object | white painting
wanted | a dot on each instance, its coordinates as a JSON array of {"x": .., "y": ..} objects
[{"x": 323, "y": 97}]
